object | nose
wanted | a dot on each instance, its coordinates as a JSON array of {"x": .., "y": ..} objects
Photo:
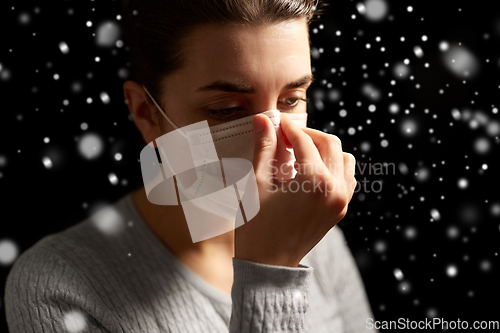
[{"x": 265, "y": 103}]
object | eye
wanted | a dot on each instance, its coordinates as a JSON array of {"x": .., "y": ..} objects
[
  {"x": 239, "y": 112},
  {"x": 292, "y": 102},
  {"x": 226, "y": 114}
]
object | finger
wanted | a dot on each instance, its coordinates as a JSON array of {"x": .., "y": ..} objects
[
  {"x": 330, "y": 149},
  {"x": 349, "y": 166},
  {"x": 264, "y": 146},
  {"x": 284, "y": 159},
  {"x": 349, "y": 172},
  {"x": 353, "y": 187},
  {"x": 304, "y": 149},
  {"x": 287, "y": 143}
]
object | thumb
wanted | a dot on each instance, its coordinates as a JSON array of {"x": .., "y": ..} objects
[{"x": 264, "y": 147}]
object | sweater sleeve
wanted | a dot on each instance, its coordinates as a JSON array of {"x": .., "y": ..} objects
[
  {"x": 44, "y": 294},
  {"x": 348, "y": 286},
  {"x": 268, "y": 298}
]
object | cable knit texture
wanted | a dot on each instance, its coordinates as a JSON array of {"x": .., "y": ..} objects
[{"x": 109, "y": 273}]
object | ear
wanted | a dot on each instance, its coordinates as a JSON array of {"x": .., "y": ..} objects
[{"x": 142, "y": 111}]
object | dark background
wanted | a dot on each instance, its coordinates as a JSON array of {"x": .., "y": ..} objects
[{"x": 415, "y": 217}]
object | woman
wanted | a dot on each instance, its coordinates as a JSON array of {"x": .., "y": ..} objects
[{"x": 133, "y": 266}]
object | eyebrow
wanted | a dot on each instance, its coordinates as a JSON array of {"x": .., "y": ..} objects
[{"x": 226, "y": 86}]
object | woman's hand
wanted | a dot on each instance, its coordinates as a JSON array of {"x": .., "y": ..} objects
[{"x": 295, "y": 214}]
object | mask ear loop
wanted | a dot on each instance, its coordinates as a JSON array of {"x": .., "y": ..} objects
[
  {"x": 174, "y": 126},
  {"x": 159, "y": 109}
]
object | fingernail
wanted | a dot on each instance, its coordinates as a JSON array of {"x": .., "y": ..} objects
[{"x": 258, "y": 125}]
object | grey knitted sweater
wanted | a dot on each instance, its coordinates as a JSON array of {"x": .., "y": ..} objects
[{"x": 109, "y": 273}]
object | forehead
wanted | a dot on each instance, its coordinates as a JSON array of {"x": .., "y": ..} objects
[{"x": 237, "y": 51}]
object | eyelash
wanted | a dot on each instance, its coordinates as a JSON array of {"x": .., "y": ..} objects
[{"x": 217, "y": 113}]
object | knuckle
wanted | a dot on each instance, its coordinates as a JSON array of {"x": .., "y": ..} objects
[
  {"x": 349, "y": 164},
  {"x": 343, "y": 213},
  {"x": 339, "y": 212},
  {"x": 264, "y": 143},
  {"x": 339, "y": 202},
  {"x": 335, "y": 139},
  {"x": 350, "y": 158},
  {"x": 354, "y": 183},
  {"x": 342, "y": 201},
  {"x": 328, "y": 139}
]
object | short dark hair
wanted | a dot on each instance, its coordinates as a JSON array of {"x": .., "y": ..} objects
[{"x": 154, "y": 29}]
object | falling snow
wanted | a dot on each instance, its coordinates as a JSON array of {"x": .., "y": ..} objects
[
  {"x": 90, "y": 145},
  {"x": 75, "y": 321},
  {"x": 8, "y": 252},
  {"x": 107, "y": 34},
  {"x": 398, "y": 89}
]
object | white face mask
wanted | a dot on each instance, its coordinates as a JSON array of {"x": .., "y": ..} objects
[
  {"x": 235, "y": 139},
  {"x": 213, "y": 172}
]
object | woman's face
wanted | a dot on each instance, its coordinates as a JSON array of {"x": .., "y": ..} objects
[{"x": 245, "y": 70}]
